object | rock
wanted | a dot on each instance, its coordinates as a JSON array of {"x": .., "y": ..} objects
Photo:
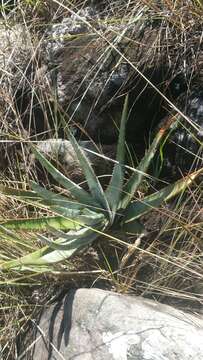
[
  {"x": 91, "y": 78},
  {"x": 15, "y": 50},
  {"x": 24, "y": 103},
  {"x": 94, "y": 324},
  {"x": 15, "y": 55},
  {"x": 84, "y": 67},
  {"x": 183, "y": 151}
]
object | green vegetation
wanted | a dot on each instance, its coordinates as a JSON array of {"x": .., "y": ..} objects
[
  {"x": 94, "y": 212},
  {"x": 127, "y": 234}
]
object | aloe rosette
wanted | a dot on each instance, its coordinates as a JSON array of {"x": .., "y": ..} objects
[{"x": 79, "y": 220}]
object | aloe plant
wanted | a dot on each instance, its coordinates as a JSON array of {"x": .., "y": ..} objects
[{"x": 77, "y": 223}]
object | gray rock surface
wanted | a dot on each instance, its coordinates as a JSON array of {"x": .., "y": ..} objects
[
  {"x": 183, "y": 150},
  {"x": 15, "y": 51},
  {"x": 93, "y": 324}
]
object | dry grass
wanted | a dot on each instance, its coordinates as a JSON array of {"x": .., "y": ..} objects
[{"x": 165, "y": 264}]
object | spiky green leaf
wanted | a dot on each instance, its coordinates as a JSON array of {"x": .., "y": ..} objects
[
  {"x": 90, "y": 176},
  {"x": 135, "y": 180},
  {"x": 53, "y": 199},
  {"x": 26, "y": 194},
  {"x": 80, "y": 194},
  {"x": 65, "y": 239},
  {"x": 141, "y": 207},
  {"x": 41, "y": 196},
  {"x": 43, "y": 223},
  {"x": 133, "y": 227},
  {"x": 47, "y": 256},
  {"x": 114, "y": 190}
]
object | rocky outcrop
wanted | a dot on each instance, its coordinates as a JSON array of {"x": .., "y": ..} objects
[
  {"x": 93, "y": 64},
  {"x": 84, "y": 65},
  {"x": 92, "y": 324}
]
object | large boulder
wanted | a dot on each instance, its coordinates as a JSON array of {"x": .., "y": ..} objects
[{"x": 92, "y": 324}]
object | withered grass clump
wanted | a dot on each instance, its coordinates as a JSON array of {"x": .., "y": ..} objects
[{"x": 165, "y": 263}]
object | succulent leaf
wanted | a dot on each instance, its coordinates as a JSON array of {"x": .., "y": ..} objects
[
  {"x": 91, "y": 178},
  {"x": 80, "y": 194},
  {"x": 141, "y": 207},
  {"x": 115, "y": 187}
]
